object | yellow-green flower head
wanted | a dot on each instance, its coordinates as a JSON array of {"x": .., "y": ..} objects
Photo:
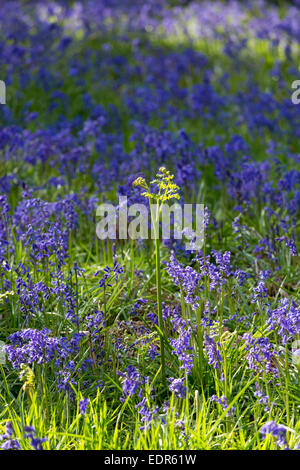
[
  {"x": 5, "y": 295},
  {"x": 167, "y": 189},
  {"x": 140, "y": 181},
  {"x": 162, "y": 169}
]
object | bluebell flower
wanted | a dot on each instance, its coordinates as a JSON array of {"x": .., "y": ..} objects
[
  {"x": 277, "y": 431},
  {"x": 83, "y": 404}
]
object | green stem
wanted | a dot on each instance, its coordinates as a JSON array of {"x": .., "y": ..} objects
[
  {"x": 159, "y": 309},
  {"x": 287, "y": 381},
  {"x": 155, "y": 220}
]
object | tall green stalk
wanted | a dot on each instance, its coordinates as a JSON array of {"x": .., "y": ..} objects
[
  {"x": 166, "y": 190},
  {"x": 159, "y": 310},
  {"x": 155, "y": 223}
]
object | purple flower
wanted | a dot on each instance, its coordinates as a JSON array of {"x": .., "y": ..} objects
[
  {"x": 36, "y": 442},
  {"x": 182, "y": 344},
  {"x": 83, "y": 404},
  {"x": 177, "y": 386},
  {"x": 132, "y": 381},
  {"x": 277, "y": 431},
  {"x": 262, "y": 398},
  {"x": 222, "y": 401},
  {"x": 11, "y": 444},
  {"x": 261, "y": 354},
  {"x": 146, "y": 412},
  {"x": 212, "y": 350},
  {"x": 285, "y": 320}
]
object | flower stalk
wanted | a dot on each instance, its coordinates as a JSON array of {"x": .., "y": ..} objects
[{"x": 165, "y": 190}]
